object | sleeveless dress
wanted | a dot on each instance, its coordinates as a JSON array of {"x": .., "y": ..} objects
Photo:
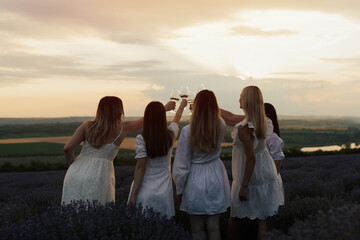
[
  {"x": 264, "y": 195},
  {"x": 156, "y": 190},
  {"x": 274, "y": 144},
  {"x": 201, "y": 178},
  {"x": 91, "y": 176}
]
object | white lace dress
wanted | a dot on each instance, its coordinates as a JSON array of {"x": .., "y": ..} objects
[
  {"x": 156, "y": 190},
  {"x": 91, "y": 176},
  {"x": 201, "y": 178},
  {"x": 264, "y": 195},
  {"x": 275, "y": 144}
]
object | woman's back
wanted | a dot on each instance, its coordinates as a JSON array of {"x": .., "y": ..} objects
[
  {"x": 201, "y": 177},
  {"x": 263, "y": 189},
  {"x": 156, "y": 186},
  {"x": 198, "y": 156}
]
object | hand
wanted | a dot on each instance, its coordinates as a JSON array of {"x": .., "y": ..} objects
[
  {"x": 170, "y": 106},
  {"x": 183, "y": 103},
  {"x": 242, "y": 194}
]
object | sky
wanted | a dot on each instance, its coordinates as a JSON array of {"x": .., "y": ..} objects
[{"x": 59, "y": 58}]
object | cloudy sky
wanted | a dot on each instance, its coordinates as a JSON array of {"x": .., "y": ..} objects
[{"x": 58, "y": 58}]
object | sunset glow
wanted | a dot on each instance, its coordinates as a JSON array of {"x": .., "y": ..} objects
[{"x": 59, "y": 58}]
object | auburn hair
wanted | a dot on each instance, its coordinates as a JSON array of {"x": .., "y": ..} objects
[
  {"x": 205, "y": 128},
  {"x": 108, "y": 116},
  {"x": 271, "y": 113},
  {"x": 253, "y": 106},
  {"x": 158, "y": 138}
]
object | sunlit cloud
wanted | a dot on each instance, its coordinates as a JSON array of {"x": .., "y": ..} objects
[
  {"x": 68, "y": 54},
  {"x": 264, "y": 43},
  {"x": 249, "y": 31}
]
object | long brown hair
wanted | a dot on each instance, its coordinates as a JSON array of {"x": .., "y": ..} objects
[
  {"x": 205, "y": 127},
  {"x": 253, "y": 105},
  {"x": 158, "y": 139},
  {"x": 271, "y": 113},
  {"x": 108, "y": 116}
]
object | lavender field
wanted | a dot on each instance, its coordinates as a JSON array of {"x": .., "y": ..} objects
[{"x": 322, "y": 202}]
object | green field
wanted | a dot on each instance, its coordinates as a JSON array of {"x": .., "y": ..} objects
[
  {"x": 296, "y": 133},
  {"x": 46, "y": 156}
]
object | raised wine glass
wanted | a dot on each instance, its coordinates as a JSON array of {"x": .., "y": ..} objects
[
  {"x": 200, "y": 87},
  {"x": 184, "y": 92},
  {"x": 174, "y": 96}
]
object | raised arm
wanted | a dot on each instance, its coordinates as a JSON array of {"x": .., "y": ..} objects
[
  {"x": 230, "y": 118},
  {"x": 73, "y": 142},
  {"x": 246, "y": 137},
  {"x": 180, "y": 111},
  {"x": 131, "y": 126}
]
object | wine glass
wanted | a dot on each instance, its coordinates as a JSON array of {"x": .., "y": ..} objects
[
  {"x": 200, "y": 87},
  {"x": 174, "y": 97},
  {"x": 184, "y": 92}
]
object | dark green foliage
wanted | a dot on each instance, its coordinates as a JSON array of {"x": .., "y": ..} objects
[
  {"x": 38, "y": 130},
  {"x": 319, "y": 137},
  {"x": 33, "y": 149}
]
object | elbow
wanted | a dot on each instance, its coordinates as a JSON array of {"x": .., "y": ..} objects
[
  {"x": 67, "y": 149},
  {"x": 141, "y": 168}
]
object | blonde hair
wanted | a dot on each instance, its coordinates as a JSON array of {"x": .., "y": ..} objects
[
  {"x": 205, "y": 128},
  {"x": 253, "y": 105},
  {"x": 108, "y": 116}
]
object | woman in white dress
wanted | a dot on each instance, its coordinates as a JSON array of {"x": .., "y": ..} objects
[
  {"x": 91, "y": 175},
  {"x": 274, "y": 144},
  {"x": 255, "y": 192},
  {"x": 200, "y": 176},
  {"x": 152, "y": 185}
]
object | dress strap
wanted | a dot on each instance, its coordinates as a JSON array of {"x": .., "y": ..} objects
[{"x": 122, "y": 127}]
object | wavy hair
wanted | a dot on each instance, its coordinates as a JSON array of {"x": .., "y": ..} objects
[
  {"x": 205, "y": 128},
  {"x": 253, "y": 106},
  {"x": 108, "y": 115}
]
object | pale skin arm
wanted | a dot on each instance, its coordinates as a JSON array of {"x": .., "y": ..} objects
[
  {"x": 180, "y": 111},
  {"x": 230, "y": 118},
  {"x": 130, "y": 126},
  {"x": 246, "y": 137},
  {"x": 278, "y": 165},
  {"x": 138, "y": 177},
  {"x": 73, "y": 142}
]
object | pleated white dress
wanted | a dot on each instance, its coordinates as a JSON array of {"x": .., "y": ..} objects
[
  {"x": 274, "y": 144},
  {"x": 264, "y": 195},
  {"x": 200, "y": 177},
  {"x": 91, "y": 176},
  {"x": 156, "y": 190}
]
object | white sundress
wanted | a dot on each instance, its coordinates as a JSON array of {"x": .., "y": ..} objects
[
  {"x": 201, "y": 178},
  {"x": 274, "y": 144},
  {"x": 263, "y": 197},
  {"x": 156, "y": 190},
  {"x": 91, "y": 176}
]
